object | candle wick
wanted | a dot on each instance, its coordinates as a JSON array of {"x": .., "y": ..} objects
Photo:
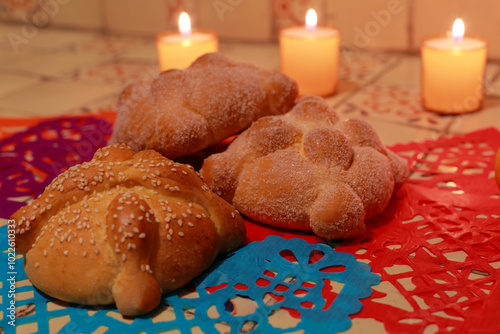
[{"x": 457, "y": 39}]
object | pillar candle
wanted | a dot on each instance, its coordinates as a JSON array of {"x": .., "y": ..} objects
[
  {"x": 310, "y": 55},
  {"x": 178, "y": 49},
  {"x": 453, "y": 72}
]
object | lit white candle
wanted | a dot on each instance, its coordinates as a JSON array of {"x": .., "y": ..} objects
[
  {"x": 453, "y": 71},
  {"x": 310, "y": 55},
  {"x": 178, "y": 49}
]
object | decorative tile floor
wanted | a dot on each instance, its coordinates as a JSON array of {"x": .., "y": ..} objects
[
  {"x": 58, "y": 72},
  {"x": 71, "y": 72}
]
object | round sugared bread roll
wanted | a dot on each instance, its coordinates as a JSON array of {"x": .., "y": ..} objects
[
  {"x": 181, "y": 112},
  {"x": 123, "y": 228},
  {"x": 307, "y": 170}
]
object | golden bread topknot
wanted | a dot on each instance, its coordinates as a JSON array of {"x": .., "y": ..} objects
[
  {"x": 307, "y": 170},
  {"x": 124, "y": 227}
]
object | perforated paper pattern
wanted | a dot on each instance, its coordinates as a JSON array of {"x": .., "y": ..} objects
[
  {"x": 436, "y": 247},
  {"x": 437, "y": 244},
  {"x": 275, "y": 285},
  {"x": 314, "y": 287}
]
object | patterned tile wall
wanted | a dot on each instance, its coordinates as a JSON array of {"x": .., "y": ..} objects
[{"x": 365, "y": 24}]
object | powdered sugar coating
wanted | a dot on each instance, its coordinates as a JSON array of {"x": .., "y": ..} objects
[
  {"x": 307, "y": 170},
  {"x": 180, "y": 112}
]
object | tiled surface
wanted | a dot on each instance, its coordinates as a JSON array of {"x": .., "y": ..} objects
[
  {"x": 70, "y": 71},
  {"x": 61, "y": 72},
  {"x": 238, "y": 20},
  {"x": 365, "y": 24},
  {"x": 87, "y": 14},
  {"x": 371, "y": 24},
  {"x": 135, "y": 17}
]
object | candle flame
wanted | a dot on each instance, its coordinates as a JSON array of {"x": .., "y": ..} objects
[
  {"x": 457, "y": 32},
  {"x": 311, "y": 20},
  {"x": 184, "y": 24}
]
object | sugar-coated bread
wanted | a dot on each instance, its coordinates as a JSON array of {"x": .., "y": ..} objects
[
  {"x": 307, "y": 170},
  {"x": 124, "y": 228},
  {"x": 181, "y": 112}
]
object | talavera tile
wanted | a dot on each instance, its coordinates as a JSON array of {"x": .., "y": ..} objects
[
  {"x": 11, "y": 83},
  {"x": 56, "y": 98},
  {"x": 393, "y": 133},
  {"x": 488, "y": 116},
  {"x": 116, "y": 72},
  {"x": 238, "y": 20},
  {"x": 393, "y": 103},
  {"x": 371, "y": 24},
  {"x": 87, "y": 14},
  {"x": 21, "y": 39},
  {"x": 54, "y": 64},
  {"x": 146, "y": 17}
]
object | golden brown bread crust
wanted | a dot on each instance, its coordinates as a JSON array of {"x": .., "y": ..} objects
[
  {"x": 307, "y": 170},
  {"x": 181, "y": 112},
  {"x": 124, "y": 228}
]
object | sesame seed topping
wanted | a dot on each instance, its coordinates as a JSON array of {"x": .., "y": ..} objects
[
  {"x": 142, "y": 235},
  {"x": 65, "y": 252}
]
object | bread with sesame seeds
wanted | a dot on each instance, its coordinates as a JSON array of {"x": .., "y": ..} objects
[
  {"x": 307, "y": 170},
  {"x": 180, "y": 112},
  {"x": 123, "y": 228}
]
